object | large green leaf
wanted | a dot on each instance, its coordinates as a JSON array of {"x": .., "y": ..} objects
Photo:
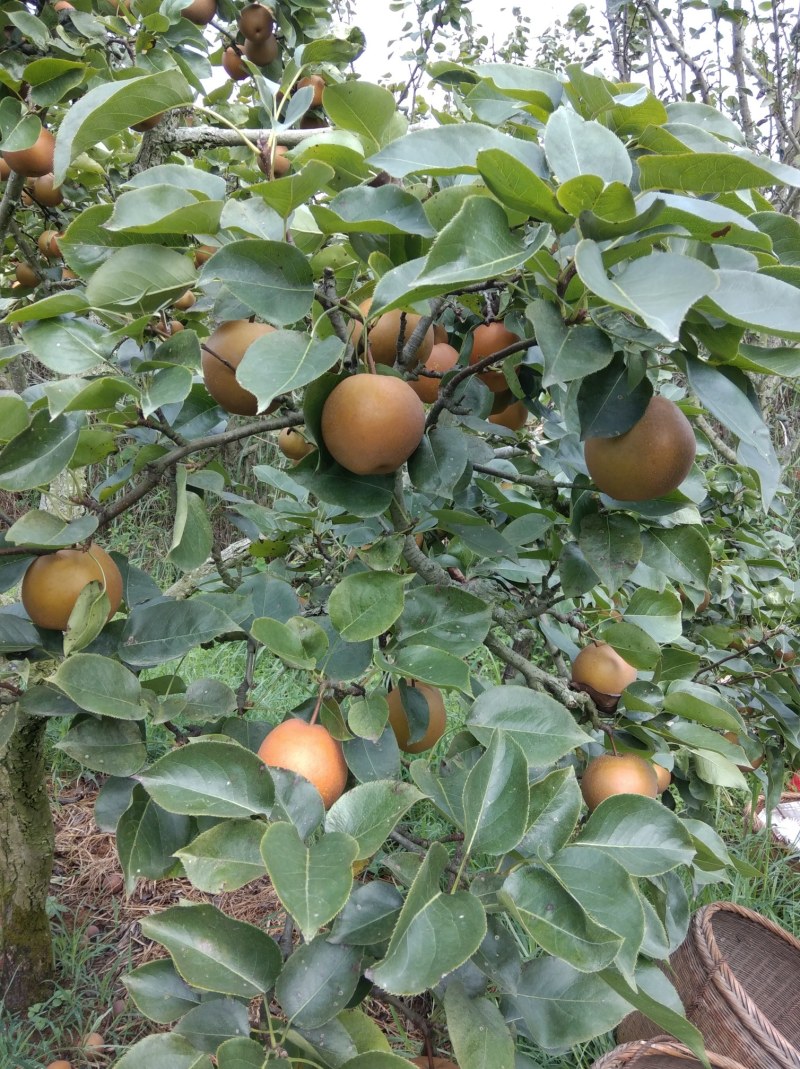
[
  {"x": 453, "y": 150},
  {"x": 164, "y": 209},
  {"x": 139, "y": 279},
  {"x": 640, "y": 833},
  {"x": 273, "y": 279},
  {"x": 192, "y": 536},
  {"x": 162, "y": 630},
  {"x": 612, "y": 545},
  {"x": 313, "y": 883},
  {"x": 429, "y": 665},
  {"x": 39, "y": 452},
  {"x": 444, "y": 617},
  {"x": 67, "y": 345},
  {"x": 681, "y": 553},
  {"x": 285, "y": 360},
  {"x": 210, "y": 779},
  {"x": 538, "y": 723},
  {"x": 370, "y": 811},
  {"x": 111, "y": 107},
  {"x": 213, "y": 1022},
  {"x": 240, "y": 1053},
  {"x": 365, "y": 605},
  {"x": 553, "y": 809},
  {"x": 659, "y": 615},
  {"x": 480, "y": 1037},
  {"x": 575, "y": 146},
  {"x": 557, "y": 921},
  {"x": 115, "y": 747},
  {"x": 520, "y": 188},
  {"x": 166, "y": 1051},
  {"x": 147, "y": 838},
  {"x": 385, "y": 210},
  {"x": 703, "y": 704},
  {"x": 213, "y": 952},
  {"x": 101, "y": 686},
  {"x": 43, "y": 529},
  {"x": 159, "y": 992},
  {"x": 568, "y": 352},
  {"x": 496, "y": 798},
  {"x": 439, "y": 461},
  {"x": 317, "y": 982},
  {"x": 369, "y": 914},
  {"x": 659, "y": 288},
  {"x": 368, "y": 110},
  {"x": 225, "y": 857},
  {"x": 435, "y": 933},
  {"x": 706, "y": 172}
]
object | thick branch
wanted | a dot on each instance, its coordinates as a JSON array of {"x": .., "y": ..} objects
[
  {"x": 721, "y": 446},
  {"x": 447, "y": 392},
  {"x": 679, "y": 49},
  {"x": 10, "y": 201}
]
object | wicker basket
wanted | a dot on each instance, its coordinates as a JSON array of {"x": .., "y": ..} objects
[
  {"x": 660, "y": 1053},
  {"x": 790, "y": 803},
  {"x": 738, "y": 975}
]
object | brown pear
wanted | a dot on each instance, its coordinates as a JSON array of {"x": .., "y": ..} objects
[
  {"x": 36, "y": 161},
  {"x": 223, "y": 351},
  {"x": 443, "y": 357},
  {"x": 261, "y": 51},
  {"x": 384, "y": 334},
  {"x": 200, "y": 12},
  {"x": 602, "y": 673},
  {"x": 487, "y": 339},
  {"x": 612, "y": 774}
]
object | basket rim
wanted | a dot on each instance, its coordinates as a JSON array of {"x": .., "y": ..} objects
[
  {"x": 731, "y": 990},
  {"x": 670, "y": 1046},
  {"x": 753, "y": 812}
]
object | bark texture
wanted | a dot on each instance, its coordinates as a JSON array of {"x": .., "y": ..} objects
[{"x": 26, "y": 860}]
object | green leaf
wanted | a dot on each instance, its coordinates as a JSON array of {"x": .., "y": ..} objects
[
  {"x": 430, "y": 665},
  {"x": 43, "y": 529},
  {"x": 612, "y": 545},
  {"x": 681, "y": 553},
  {"x": 38, "y": 453},
  {"x": 632, "y": 643},
  {"x": 704, "y": 173},
  {"x": 158, "y": 992},
  {"x": 496, "y": 798},
  {"x": 538, "y": 723},
  {"x": 147, "y": 838},
  {"x": 285, "y": 360},
  {"x": 568, "y": 353},
  {"x": 556, "y": 1006},
  {"x": 439, "y": 461},
  {"x": 361, "y": 209},
  {"x": 166, "y": 1051},
  {"x": 364, "y": 605},
  {"x": 695, "y": 701},
  {"x": 313, "y": 883},
  {"x": 608, "y": 403},
  {"x": 210, "y": 779},
  {"x": 240, "y": 1053},
  {"x": 659, "y": 615},
  {"x": 284, "y": 642},
  {"x": 101, "y": 686},
  {"x": 557, "y": 922},
  {"x": 446, "y": 618},
  {"x": 608, "y": 895},
  {"x": 111, "y": 746},
  {"x": 212, "y": 1023},
  {"x": 110, "y": 108},
  {"x": 51, "y": 79},
  {"x": 368, "y": 110},
  {"x": 476, "y": 244},
  {"x": 168, "y": 386},
  {"x": 283, "y": 195},
  {"x": 224, "y": 858},
  {"x": 271, "y": 278},
  {"x": 376, "y": 1060},
  {"x": 723, "y": 393},
  {"x": 139, "y": 279},
  {"x": 520, "y": 188},
  {"x": 659, "y": 288},
  {"x": 360, "y": 495},
  {"x": 480, "y": 1037},
  {"x": 554, "y": 806},
  {"x": 453, "y": 150},
  {"x": 213, "y": 952},
  {"x": 162, "y": 630},
  {"x": 164, "y": 209},
  {"x": 19, "y": 130},
  {"x": 367, "y": 717},
  {"x": 180, "y": 176},
  {"x": 66, "y": 344},
  {"x": 192, "y": 537},
  {"x": 369, "y": 915},
  {"x": 317, "y": 982},
  {"x": 575, "y": 146},
  {"x": 370, "y": 811},
  {"x": 640, "y": 833},
  {"x": 435, "y": 932}
]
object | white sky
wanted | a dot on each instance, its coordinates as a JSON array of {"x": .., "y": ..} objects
[{"x": 380, "y": 25}]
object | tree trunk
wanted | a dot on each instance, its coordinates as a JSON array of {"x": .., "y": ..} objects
[{"x": 26, "y": 861}]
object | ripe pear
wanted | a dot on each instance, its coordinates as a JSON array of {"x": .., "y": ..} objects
[
  {"x": 612, "y": 774},
  {"x": 648, "y": 461},
  {"x": 232, "y": 64},
  {"x": 256, "y": 22},
  {"x": 293, "y": 445},
  {"x": 200, "y": 12},
  {"x": 371, "y": 424},
  {"x": 26, "y": 275},
  {"x": 384, "y": 334},
  {"x": 317, "y": 84},
  {"x": 664, "y": 777},
  {"x": 443, "y": 357},
  {"x": 261, "y": 51},
  {"x": 53, "y": 583},
  {"x": 48, "y": 244},
  {"x": 514, "y": 416},
  {"x": 223, "y": 351},
  {"x": 603, "y": 674},
  {"x": 487, "y": 339},
  {"x": 398, "y": 718},
  {"x": 310, "y": 750},
  {"x": 36, "y": 161},
  {"x": 45, "y": 193}
]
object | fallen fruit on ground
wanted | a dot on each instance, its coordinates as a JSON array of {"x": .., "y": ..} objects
[
  {"x": 443, "y": 357},
  {"x": 310, "y": 750},
  {"x": 60, "y": 1065},
  {"x": 398, "y": 718},
  {"x": 650, "y": 460},
  {"x": 54, "y": 581},
  {"x": 487, "y": 339},
  {"x": 612, "y": 774},
  {"x": 371, "y": 424},
  {"x": 384, "y": 334},
  {"x": 36, "y": 161},
  {"x": 293, "y": 445},
  {"x": 223, "y": 351},
  {"x": 94, "y": 1046},
  {"x": 602, "y": 673}
]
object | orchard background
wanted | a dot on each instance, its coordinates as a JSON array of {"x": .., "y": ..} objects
[{"x": 614, "y": 239}]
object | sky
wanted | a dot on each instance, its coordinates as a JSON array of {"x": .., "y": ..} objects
[{"x": 494, "y": 17}]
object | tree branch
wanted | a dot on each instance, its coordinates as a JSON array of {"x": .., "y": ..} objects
[
  {"x": 677, "y": 47},
  {"x": 718, "y": 443}
]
